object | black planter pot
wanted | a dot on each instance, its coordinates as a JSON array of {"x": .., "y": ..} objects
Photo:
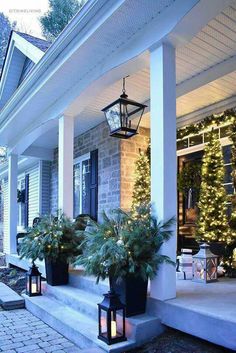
[
  {"x": 133, "y": 293},
  {"x": 56, "y": 272}
]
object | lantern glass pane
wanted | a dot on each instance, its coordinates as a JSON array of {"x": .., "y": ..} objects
[
  {"x": 27, "y": 284},
  {"x": 211, "y": 269},
  {"x": 103, "y": 322},
  {"x": 113, "y": 117},
  {"x": 118, "y": 327},
  {"x": 35, "y": 284},
  {"x": 133, "y": 120},
  {"x": 116, "y": 324},
  {"x": 199, "y": 273}
]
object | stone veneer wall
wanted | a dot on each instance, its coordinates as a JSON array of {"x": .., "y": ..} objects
[
  {"x": 108, "y": 166},
  {"x": 130, "y": 150},
  {"x": 116, "y": 166}
]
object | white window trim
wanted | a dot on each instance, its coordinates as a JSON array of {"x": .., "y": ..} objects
[{"x": 79, "y": 160}]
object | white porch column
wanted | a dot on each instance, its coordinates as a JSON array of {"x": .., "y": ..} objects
[
  {"x": 12, "y": 202},
  {"x": 163, "y": 158},
  {"x": 65, "y": 165}
]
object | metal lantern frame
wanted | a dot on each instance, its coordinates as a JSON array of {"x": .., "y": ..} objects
[
  {"x": 121, "y": 123},
  {"x": 110, "y": 305},
  {"x": 33, "y": 281},
  {"x": 205, "y": 265}
]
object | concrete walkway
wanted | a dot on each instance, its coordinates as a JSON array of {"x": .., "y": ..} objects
[{"x": 22, "y": 332}]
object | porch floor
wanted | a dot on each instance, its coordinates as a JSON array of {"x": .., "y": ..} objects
[{"x": 207, "y": 311}]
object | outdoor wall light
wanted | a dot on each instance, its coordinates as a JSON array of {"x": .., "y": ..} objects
[
  {"x": 124, "y": 115},
  {"x": 33, "y": 281},
  {"x": 111, "y": 319},
  {"x": 205, "y": 265}
]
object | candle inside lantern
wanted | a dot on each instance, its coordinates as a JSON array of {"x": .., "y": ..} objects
[
  {"x": 34, "y": 288},
  {"x": 202, "y": 273},
  {"x": 113, "y": 329}
]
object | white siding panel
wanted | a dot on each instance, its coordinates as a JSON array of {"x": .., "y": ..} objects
[
  {"x": 45, "y": 186},
  {"x": 33, "y": 193},
  {"x": 5, "y": 217}
]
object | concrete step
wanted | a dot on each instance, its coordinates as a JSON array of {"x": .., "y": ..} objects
[
  {"x": 9, "y": 299},
  {"x": 79, "y": 280},
  {"x": 77, "y": 299},
  {"x": 75, "y": 326},
  {"x": 139, "y": 328}
]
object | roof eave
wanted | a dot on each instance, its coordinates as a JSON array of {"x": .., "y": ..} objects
[{"x": 79, "y": 21}]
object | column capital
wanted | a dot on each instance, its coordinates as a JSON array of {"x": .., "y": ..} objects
[
  {"x": 66, "y": 116},
  {"x": 158, "y": 45}
]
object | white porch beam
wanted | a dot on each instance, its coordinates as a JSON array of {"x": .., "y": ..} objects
[
  {"x": 163, "y": 159},
  {"x": 199, "y": 114},
  {"x": 65, "y": 165},
  {"x": 12, "y": 202},
  {"x": 43, "y": 153},
  {"x": 203, "y": 78}
]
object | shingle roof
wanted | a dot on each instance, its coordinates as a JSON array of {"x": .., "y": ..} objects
[{"x": 37, "y": 42}]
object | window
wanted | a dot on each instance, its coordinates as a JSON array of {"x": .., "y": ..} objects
[
  {"x": 82, "y": 185},
  {"x": 21, "y": 205}
]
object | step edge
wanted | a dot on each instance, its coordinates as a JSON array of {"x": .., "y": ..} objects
[{"x": 92, "y": 338}]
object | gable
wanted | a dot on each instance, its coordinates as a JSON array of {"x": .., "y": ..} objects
[{"x": 24, "y": 51}]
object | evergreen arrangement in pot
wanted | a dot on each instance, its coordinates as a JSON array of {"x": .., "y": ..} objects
[
  {"x": 55, "y": 240},
  {"x": 125, "y": 248}
]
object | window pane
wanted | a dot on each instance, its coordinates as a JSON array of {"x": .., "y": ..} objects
[
  {"x": 195, "y": 140},
  {"x": 227, "y": 154},
  {"x": 85, "y": 186},
  {"x": 76, "y": 190},
  {"x": 227, "y": 176},
  {"x": 229, "y": 189},
  {"x": 225, "y": 131},
  {"x": 181, "y": 144},
  {"x": 23, "y": 214}
]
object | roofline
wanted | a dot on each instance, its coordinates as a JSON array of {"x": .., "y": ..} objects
[
  {"x": 26, "y": 48},
  {"x": 4, "y": 62},
  {"x": 79, "y": 22}
]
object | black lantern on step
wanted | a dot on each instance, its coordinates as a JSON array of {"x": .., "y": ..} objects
[
  {"x": 124, "y": 116},
  {"x": 33, "y": 281},
  {"x": 111, "y": 319}
]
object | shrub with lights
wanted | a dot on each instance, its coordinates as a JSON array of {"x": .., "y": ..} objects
[
  {"x": 212, "y": 224},
  {"x": 142, "y": 185},
  {"x": 55, "y": 239}
]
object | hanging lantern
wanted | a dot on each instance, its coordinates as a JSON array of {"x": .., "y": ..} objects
[
  {"x": 205, "y": 265},
  {"x": 111, "y": 319},
  {"x": 123, "y": 116},
  {"x": 33, "y": 281}
]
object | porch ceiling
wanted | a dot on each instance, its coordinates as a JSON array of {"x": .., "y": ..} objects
[
  {"x": 213, "y": 48},
  {"x": 205, "y": 68}
]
